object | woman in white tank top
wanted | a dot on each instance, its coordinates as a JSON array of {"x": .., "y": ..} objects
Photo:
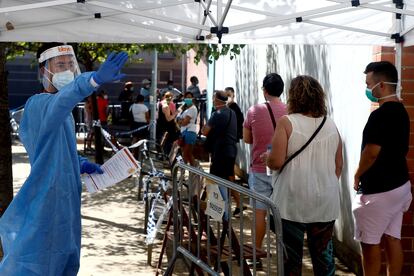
[{"x": 307, "y": 190}]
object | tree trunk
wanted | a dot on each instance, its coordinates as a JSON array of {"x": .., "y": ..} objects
[{"x": 6, "y": 175}]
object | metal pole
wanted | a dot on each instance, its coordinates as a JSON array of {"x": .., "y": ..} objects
[
  {"x": 223, "y": 16},
  {"x": 153, "y": 96},
  {"x": 211, "y": 73},
  {"x": 183, "y": 73},
  {"x": 398, "y": 53},
  {"x": 219, "y": 12}
]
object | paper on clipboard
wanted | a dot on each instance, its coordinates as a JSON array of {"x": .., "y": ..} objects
[{"x": 117, "y": 168}]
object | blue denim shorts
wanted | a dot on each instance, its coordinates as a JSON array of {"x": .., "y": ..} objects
[
  {"x": 260, "y": 183},
  {"x": 190, "y": 137}
]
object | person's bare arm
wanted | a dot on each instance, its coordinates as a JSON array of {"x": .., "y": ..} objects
[
  {"x": 147, "y": 116},
  {"x": 205, "y": 130},
  {"x": 247, "y": 136},
  {"x": 167, "y": 112},
  {"x": 368, "y": 156},
  {"x": 280, "y": 139},
  {"x": 338, "y": 159},
  {"x": 185, "y": 121}
]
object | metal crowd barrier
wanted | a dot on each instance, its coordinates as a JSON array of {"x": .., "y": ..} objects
[{"x": 225, "y": 244}]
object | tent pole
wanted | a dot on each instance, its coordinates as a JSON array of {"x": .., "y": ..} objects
[
  {"x": 318, "y": 12},
  {"x": 153, "y": 97},
  {"x": 149, "y": 15},
  {"x": 206, "y": 13},
  {"x": 346, "y": 28},
  {"x": 47, "y": 4},
  {"x": 224, "y": 15},
  {"x": 398, "y": 65},
  {"x": 211, "y": 80},
  {"x": 398, "y": 50},
  {"x": 183, "y": 73},
  {"x": 219, "y": 12}
]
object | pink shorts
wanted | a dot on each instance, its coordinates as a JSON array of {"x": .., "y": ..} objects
[{"x": 381, "y": 213}]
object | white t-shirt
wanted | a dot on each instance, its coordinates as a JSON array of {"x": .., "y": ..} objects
[
  {"x": 307, "y": 190},
  {"x": 192, "y": 113},
  {"x": 138, "y": 111}
]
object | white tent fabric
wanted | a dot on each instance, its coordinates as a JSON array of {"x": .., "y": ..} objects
[{"x": 359, "y": 22}]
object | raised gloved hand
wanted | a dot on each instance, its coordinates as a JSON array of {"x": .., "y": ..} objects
[
  {"x": 109, "y": 71},
  {"x": 89, "y": 168}
]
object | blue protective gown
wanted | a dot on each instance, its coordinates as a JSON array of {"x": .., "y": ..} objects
[{"x": 41, "y": 229}]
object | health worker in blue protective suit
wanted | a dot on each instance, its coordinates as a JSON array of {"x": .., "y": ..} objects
[{"x": 41, "y": 229}]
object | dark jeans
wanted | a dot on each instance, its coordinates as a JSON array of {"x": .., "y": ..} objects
[{"x": 319, "y": 243}]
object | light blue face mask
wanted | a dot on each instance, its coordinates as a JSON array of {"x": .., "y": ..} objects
[
  {"x": 58, "y": 79},
  {"x": 62, "y": 78},
  {"x": 188, "y": 101}
]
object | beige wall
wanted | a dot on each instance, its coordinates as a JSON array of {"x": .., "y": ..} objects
[{"x": 198, "y": 70}]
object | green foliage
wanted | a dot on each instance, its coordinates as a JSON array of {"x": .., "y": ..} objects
[
  {"x": 89, "y": 53},
  {"x": 209, "y": 52},
  {"x": 15, "y": 49}
]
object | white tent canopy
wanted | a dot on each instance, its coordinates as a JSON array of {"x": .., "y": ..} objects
[{"x": 359, "y": 22}]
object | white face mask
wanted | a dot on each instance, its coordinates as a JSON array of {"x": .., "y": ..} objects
[
  {"x": 58, "y": 79},
  {"x": 62, "y": 78}
]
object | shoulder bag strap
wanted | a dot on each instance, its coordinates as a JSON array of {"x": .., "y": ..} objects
[
  {"x": 271, "y": 114},
  {"x": 304, "y": 146}
]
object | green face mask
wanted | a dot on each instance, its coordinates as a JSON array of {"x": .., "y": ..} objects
[
  {"x": 188, "y": 101},
  {"x": 368, "y": 93},
  {"x": 372, "y": 98}
]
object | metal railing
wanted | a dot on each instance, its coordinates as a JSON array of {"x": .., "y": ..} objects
[{"x": 222, "y": 245}]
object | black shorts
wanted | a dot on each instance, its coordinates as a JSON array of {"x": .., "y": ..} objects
[{"x": 223, "y": 166}]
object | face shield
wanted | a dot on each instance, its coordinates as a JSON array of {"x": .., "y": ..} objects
[{"x": 60, "y": 67}]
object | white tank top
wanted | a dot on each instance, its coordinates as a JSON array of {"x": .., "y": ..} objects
[{"x": 307, "y": 190}]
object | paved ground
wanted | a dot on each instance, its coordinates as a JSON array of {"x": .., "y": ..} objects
[{"x": 113, "y": 238}]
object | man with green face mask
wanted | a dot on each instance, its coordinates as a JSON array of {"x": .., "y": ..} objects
[{"x": 382, "y": 180}]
